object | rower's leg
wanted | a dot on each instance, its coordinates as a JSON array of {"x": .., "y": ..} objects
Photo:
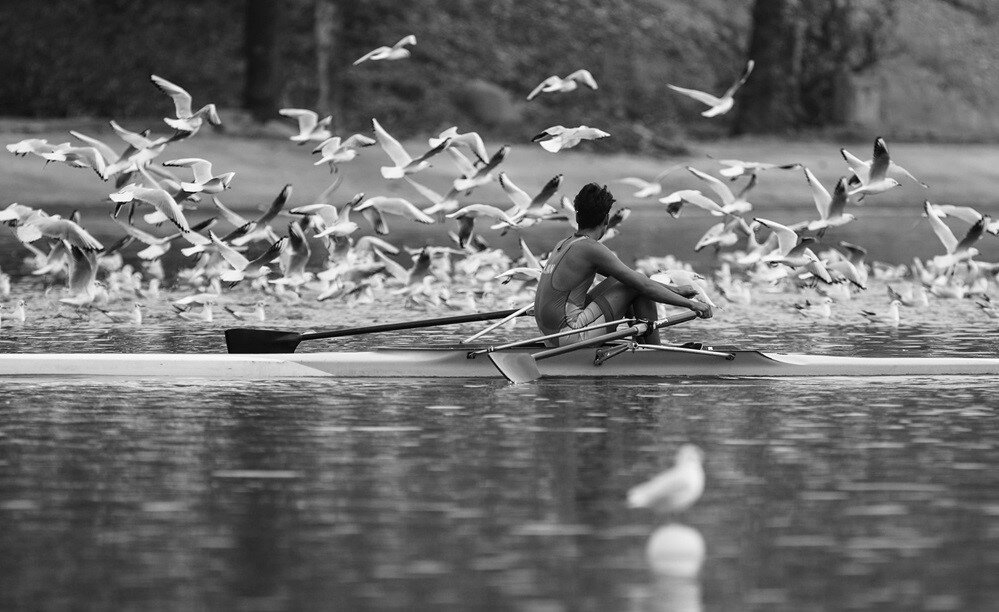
[{"x": 646, "y": 309}]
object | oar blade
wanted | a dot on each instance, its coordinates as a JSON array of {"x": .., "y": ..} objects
[
  {"x": 245, "y": 340},
  {"x": 516, "y": 367}
]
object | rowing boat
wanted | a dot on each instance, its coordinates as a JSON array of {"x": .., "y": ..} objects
[{"x": 456, "y": 362}]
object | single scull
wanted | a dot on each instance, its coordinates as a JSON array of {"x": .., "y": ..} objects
[{"x": 455, "y": 362}]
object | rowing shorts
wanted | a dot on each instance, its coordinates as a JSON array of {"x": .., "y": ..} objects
[{"x": 596, "y": 312}]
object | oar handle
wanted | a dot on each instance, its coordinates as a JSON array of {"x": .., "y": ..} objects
[{"x": 385, "y": 327}]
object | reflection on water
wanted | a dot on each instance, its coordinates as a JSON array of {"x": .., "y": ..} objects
[{"x": 407, "y": 494}]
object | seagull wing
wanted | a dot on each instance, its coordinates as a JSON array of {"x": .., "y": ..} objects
[
  {"x": 235, "y": 259},
  {"x": 202, "y": 168},
  {"x": 583, "y": 76},
  {"x": 517, "y": 195},
  {"x": 839, "y": 199},
  {"x": 307, "y": 119},
  {"x": 391, "y": 146},
  {"x": 880, "y": 161},
  {"x": 700, "y": 96},
  {"x": 819, "y": 194},
  {"x": 858, "y": 166},
  {"x": 552, "y": 80},
  {"x": 943, "y": 232},
  {"x": 742, "y": 79},
  {"x": 181, "y": 99},
  {"x": 716, "y": 185}
]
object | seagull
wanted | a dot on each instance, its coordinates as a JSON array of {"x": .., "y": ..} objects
[
  {"x": 793, "y": 251},
  {"x": 82, "y": 277},
  {"x": 890, "y": 317},
  {"x": 39, "y": 224},
  {"x": 134, "y": 316},
  {"x": 395, "y": 52},
  {"x": 956, "y": 251},
  {"x": 447, "y": 203},
  {"x": 19, "y": 312},
  {"x": 820, "y": 310},
  {"x": 310, "y": 126},
  {"x": 719, "y": 106},
  {"x": 914, "y": 297},
  {"x": 205, "y": 316},
  {"x": 872, "y": 176},
  {"x": 204, "y": 181},
  {"x": 80, "y": 157},
  {"x": 678, "y": 277},
  {"x": 731, "y": 203},
  {"x": 257, "y": 313},
  {"x": 830, "y": 207},
  {"x": 467, "y": 215},
  {"x": 734, "y": 168},
  {"x": 395, "y": 206},
  {"x": 724, "y": 233},
  {"x": 333, "y": 151},
  {"x": 861, "y": 169},
  {"x": 187, "y": 122},
  {"x": 404, "y": 164},
  {"x": 527, "y": 207},
  {"x": 556, "y": 83},
  {"x": 648, "y": 189},
  {"x": 559, "y": 137},
  {"x": 475, "y": 176},
  {"x": 470, "y": 140},
  {"x": 965, "y": 213},
  {"x": 675, "y": 201},
  {"x": 677, "y": 488},
  {"x": 158, "y": 198}
]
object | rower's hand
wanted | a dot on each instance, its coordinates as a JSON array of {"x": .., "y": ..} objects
[
  {"x": 687, "y": 291},
  {"x": 703, "y": 310}
]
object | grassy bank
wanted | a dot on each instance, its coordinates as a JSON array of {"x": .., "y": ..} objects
[{"x": 957, "y": 174}]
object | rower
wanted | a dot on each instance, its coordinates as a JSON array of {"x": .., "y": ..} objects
[{"x": 564, "y": 299}]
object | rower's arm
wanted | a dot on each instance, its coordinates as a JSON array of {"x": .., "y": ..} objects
[{"x": 608, "y": 264}]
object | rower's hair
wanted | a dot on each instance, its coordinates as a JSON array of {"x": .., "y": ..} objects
[{"x": 592, "y": 203}]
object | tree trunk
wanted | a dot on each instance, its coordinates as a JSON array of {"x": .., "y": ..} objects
[
  {"x": 769, "y": 102},
  {"x": 261, "y": 31},
  {"x": 325, "y": 26}
]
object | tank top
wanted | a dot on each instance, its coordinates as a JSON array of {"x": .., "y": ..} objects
[{"x": 550, "y": 301}]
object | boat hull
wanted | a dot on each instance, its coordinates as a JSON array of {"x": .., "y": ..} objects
[{"x": 454, "y": 363}]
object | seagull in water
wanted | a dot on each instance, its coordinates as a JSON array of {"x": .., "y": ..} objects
[
  {"x": 675, "y": 489},
  {"x": 397, "y": 51},
  {"x": 719, "y": 106},
  {"x": 257, "y": 313},
  {"x": 890, "y": 317},
  {"x": 556, "y": 83}
]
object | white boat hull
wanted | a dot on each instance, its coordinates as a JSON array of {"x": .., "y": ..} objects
[{"x": 454, "y": 363}]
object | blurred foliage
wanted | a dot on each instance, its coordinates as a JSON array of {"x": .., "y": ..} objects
[{"x": 93, "y": 58}]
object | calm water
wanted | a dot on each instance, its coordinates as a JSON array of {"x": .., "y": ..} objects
[{"x": 822, "y": 494}]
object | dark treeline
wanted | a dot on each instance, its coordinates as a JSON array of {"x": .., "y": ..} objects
[{"x": 474, "y": 62}]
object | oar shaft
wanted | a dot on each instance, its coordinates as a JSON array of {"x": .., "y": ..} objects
[{"x": 386, "y": 327}]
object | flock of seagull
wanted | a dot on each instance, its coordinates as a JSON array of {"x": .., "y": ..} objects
[{"x": 272, "y": 252}]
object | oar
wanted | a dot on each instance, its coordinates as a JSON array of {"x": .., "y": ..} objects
[
  {"x": 516, "y": 313},
  {"x": 247, "y": 340},
  {"x": 523, "y": 367}
]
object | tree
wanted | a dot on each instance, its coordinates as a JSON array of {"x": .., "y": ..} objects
[{"x": 261, "y": 33}]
